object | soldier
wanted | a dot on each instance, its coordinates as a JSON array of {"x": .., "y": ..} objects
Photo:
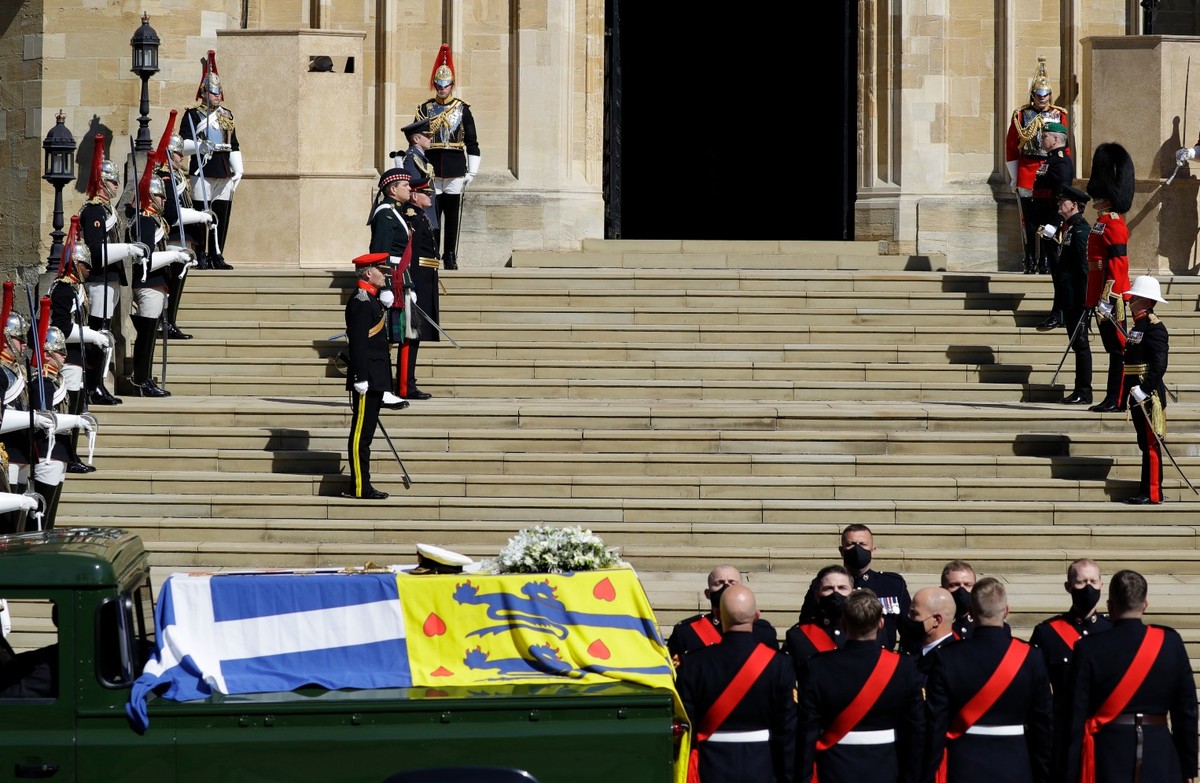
[
  {"x": 1024, "y": 154},
  {"x": 424, "y": 275},
  {"x": 391, "y": 234},
  {"x": 928, "y": 625},
  {"x": 68, "y": 305},
  {"x": 751, "y": 738},
  {"x": 1057, "y": 170},
  {"x": 959, "y": 578},
  {"x": 1111, "y": 189},
  {"x": 189, "y": 226},
  {"x": 1073, "y": 273},
  {"x": 822, "y": 631},
  {"x": 1145, "y": 364},
  {"x": 17, "y": 420},
  {"x": 104, "y": 235},
  {"x": 369, "y": 372},
  {"x": 857, "y": 548},
  {"x": 151, "y": 282},
  {"x": 454, "y": 151},
  {"x": 861, "y": 711},
  {"x": 418, "y": 167},
  {"x": 1125, "y": 683},
  {"x": 704, "y": 630},
  {"x": 210, "y": 137},
  {"x": 1056, "y": 639},
  {"x": 989, "y": 701}
]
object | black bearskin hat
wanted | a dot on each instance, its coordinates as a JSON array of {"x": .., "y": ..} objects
[{"x": 1112, "y": 177}]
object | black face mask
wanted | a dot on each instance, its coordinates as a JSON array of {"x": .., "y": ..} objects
[
  {"x": 962, "y": 602},
  {"x": 856, "y": 558},
  {"x": 831, "y": 607},
  {"x": 1084, "y": 600},
  {"x": 714, "y": 597},
  {"x": 912, "y": 633}
]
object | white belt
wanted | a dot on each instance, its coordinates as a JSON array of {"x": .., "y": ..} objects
[
  {"x": 762, "y": 735},
  {"x": 997, "y": 731},
  {"x": 880, "y": 737}
]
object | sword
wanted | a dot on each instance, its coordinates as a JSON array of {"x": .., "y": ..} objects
[
  {"x": 407, "y": 481},
  {"x": 1171, "y": 178},
  {"x": 1083, "y": 319},
  {"x": 1162, "y": 445},
  {"x": 200, "y": 163},
  {"x": 432, "y": 323}
]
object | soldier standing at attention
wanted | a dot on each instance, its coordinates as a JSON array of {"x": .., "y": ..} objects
[
  {"x": 369, "y": 375},
  {"x": 454, "y": 151},
  {"x": 704, "y": 630},
  {"x": 751, "y": 739},
  {"x": 1024, "y": 155},
  {"x": 1145, "y": 364},
  {"x": 1125, "y": 683},
  {"x": 216, "y": 168},
  {"x": 1111, "y": 189}
]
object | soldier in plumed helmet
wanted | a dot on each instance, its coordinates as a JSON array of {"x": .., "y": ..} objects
[
  {"x": 104, "y": 235},
  {"x": 216, "y": 168},
  {"x": 454, "y": 151},
  {"x": 1024, "y": 154},
  {"x": 1111, "y": 189},
  {"x": 190, "y": 227}
]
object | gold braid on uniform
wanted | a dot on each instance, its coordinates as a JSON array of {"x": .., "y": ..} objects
[
  {"x": 224, "y": 118},
  {"x": 4, "y": 469},
  {"x": 1028, "y": 132}
]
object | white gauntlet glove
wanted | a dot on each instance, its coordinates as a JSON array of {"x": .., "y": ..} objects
[
  {"x": 1138, "y": 395},
  {"x": 1184, "y": 155},
  {"x": 235, "y": 163},
  {"x": 387, "y": 297},
  {"x": 360, "y": 387},
  {"x": 1048, "y": 231},
  {"x": 1105, "y": 309},
  {"x": 119, "y": 251},
  {"x": 188, "y": 216},
  {"x": 472, "y": 168},
  {"x": 92, "y": 337}
]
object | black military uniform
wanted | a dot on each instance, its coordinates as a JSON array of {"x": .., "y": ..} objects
[
  {"x": 894, "y": 751},
  {"x": 689, "y": 635},
  {"x": 893, "y": 594},
  {"x": 1055, "y": 171},
  {"x": 151, "y": 230},
  {"x": 215, "y": 172},
  {"x": 1071, "y": 284},
  {"x": 390, "y": 234},
  {"x": 100, "y": 226},
  {"x": 1168, "y": 689},
  {"x": 420, "y": 168},
  {"x": 424, "y": 273},
  {"x": 1012, "y": 742},
  {"x": 68, "y": 312},
  {"x": 370, "y": 361},
  {"x": 800, "y": 646},
  {"x": 768, "y": 709},
  {"x": 177, "y": 198},
  {"x": 1146, "y": 349}
]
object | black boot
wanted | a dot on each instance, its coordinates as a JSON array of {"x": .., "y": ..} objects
[
  {"x": 175, "y": 295},
  {"x": 449, "y": 262},
  {"x": 94, "y": 371},
  {"x": 1030, "y": 265},
  {"x": 51, "y": 493},
  {"x": 450, "y": 210},
  {"x": 143, "y": 359}
]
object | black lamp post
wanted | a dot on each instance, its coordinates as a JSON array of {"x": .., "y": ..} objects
[
  {"x": 60, "y": 170},
  {"x": 145, "y": 64}
]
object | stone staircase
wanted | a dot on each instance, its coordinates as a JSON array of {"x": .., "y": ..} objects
[{"x": 692, "y": 402}]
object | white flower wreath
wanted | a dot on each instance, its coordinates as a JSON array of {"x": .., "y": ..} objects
[{"x": 554, "y": 550}]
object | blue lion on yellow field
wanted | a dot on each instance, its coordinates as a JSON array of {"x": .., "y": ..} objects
[{"x": 537, "y": 608}]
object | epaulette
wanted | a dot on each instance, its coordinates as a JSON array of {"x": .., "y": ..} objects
[
  {"x": 411, "y": 212},
  {"x": 1154, "y": 319},
  {"x": 97, "y": 200}
]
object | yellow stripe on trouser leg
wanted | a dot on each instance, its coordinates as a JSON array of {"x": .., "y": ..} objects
[{"x": 360, "y": 412}]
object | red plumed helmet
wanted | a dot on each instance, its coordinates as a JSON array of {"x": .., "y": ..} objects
[
  {"x": 96, "y": 179},
  {"x": 443, "y": 68},
  {"x": 43, "y": 324},
  {"x": 68, "y": 244},
  {"x": 156, "y": 159},
  {"x": 210, "y": 80},
  {"x": 6, "y": 307}
]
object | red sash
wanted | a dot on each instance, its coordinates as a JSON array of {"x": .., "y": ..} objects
[
  {"x": 857, "y": 709},
  {"x": 816, "y": 634},
  {"x": 733, "y": 694},
  {"x": 1134, "y": 676},
  {"x": 1066, "y": 632},
  {"x": 982, "y": 701},
  {"x": 707, "y": 632}
]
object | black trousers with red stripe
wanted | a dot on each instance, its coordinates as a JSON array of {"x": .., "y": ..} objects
[
  {"x": 1152, "y": 467},
  {"x": 1114, "y": 346}
]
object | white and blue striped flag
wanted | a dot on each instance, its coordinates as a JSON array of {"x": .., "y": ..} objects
[{"x": 255, "y": 633}]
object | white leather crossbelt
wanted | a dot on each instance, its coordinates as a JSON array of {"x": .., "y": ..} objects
[
  {"x": 762, "y": 735},
  {"x": 879, "y": 737},
  {"x": 997, "y": 731}
]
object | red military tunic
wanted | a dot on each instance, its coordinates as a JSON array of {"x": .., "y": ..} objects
[
  {"x": 1108, "y": 258},
  {"x": 1023, "y": 144}
]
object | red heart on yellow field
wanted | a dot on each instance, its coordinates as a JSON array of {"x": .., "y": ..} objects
[
  {"x": 604, "y": 590},
  {"x": 599, "y": 650},
  {"x": 434, "y": 625}
]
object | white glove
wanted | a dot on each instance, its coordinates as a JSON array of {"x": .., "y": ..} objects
[
  {"x": 235, "y": 163},
  {"x": 1048, "y": 231},
  {"x": 44, "y": 420},
  {"x": 14, "y": 420},
  {"x": 360, "y": 387},
  {"x": 387, "y": 297},
  {"x": 10, "y": 501},
  {"x": 472, "y": 168},
  {"x": 119, "y": 251},
  {"x": 162, "y": 258},
  {"x": 1105, "y": 309},
  {"x": 189, "y": 147},
  {"x": 1012, "y": 175},
  {"x": 1184, "y": 155},
  {"x": 92, "y": 337},
  {"x": 1137, "y": 394},
  {"x": 70, "y": 421},
  {"x": 188, "y": 216},
  {"x": 205, "y": 148}
]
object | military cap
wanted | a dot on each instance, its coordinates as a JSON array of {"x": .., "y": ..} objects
[
  {"x": 435, "y": 560},
  {"x": 370, "y": 259},
  {"x": 418, "y": 126},
  {"x": 393, "y": 175},
  {"x": 1055, "y": 127},
  {"x": 1074, "y": 194}
]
